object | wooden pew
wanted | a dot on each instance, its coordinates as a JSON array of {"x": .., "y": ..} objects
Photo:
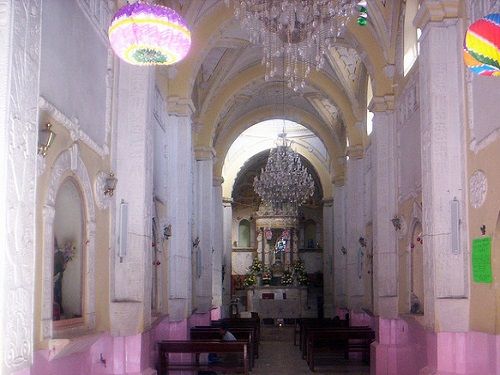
[
  {"x": 195, "y": 348},
  {"x": 250, "y": 323},
  {"x": 309, "y": 323},
  {"x": 340, "y": 340},
  {"x": 204, "y": 333}
]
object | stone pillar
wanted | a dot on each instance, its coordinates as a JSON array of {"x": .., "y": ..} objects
[
  {"x": 218, "y": 242},
  {"x": 180, "y": 205},
  {"x": 203, "y": 231},
  {"x": 442, "y": 107},
  {"x": 19, "y": 77},
  {"x": 385, "y": 207},
  {"x": 355, "y": 228},
  {"x": 340, "y": 245},
  {"x": 131, "y": 292},
  {"x": 328, "y": 258},
  {"x": 227, "y": 253}
]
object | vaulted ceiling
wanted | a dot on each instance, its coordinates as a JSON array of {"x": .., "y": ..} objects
[{"x": 224, "y": 78}]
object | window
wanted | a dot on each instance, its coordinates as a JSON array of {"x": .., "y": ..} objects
[
  {"x": 244, "y": 233},
  {"x": 369, "y": 115},
  {"x": 68, "y": 252},
  {"x": 410, "y": 36}
]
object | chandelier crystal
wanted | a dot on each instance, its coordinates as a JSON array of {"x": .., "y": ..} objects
[
  {"x": 284, "y": 181},
  {"x": 298, "y": 31}
]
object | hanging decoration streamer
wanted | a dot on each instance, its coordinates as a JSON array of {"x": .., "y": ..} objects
[
  {"x": 148, "y": 34},
  {"x": 363, "y": 13},
  {"x": 482, "y": 46}
]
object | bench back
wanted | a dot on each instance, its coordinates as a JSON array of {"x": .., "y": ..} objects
[{"x": 182, "y": 346}]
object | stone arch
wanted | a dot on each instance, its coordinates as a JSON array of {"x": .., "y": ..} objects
[
  {"x": 68, "y": 163},
  {"x": 222, "y": 144}
]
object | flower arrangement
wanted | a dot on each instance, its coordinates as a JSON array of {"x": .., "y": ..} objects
[
  {"x": 300, "y": 273},
  {"x": 256, "y": 266},
  {"x": 287, "y": 278},
  {"x": 250, "y": 280}
]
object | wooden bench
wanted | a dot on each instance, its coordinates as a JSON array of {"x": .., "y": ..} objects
[
  {"x": 203, "y": 333},
  {"x": 310, "y": 323},
  {"x": 235, "y": 324},
  {"x": 340, "y": 340},
  {"x": 195, "y": 348}
]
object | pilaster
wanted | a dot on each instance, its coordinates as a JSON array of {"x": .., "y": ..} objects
[
  {"x": 131, "y": 282},
  {"x": 180, "y": 206},
  {"x": 227, "y": 253},
  {"x": 19, "y": 77},
  {"x": 218, "y": 272},
  {"x": 442, "y": 106},
  {"x": 385, "y": 207},
  {"x": 203, "y": 230},
  {"x": 328, "y": 231},
  {"x": 340, "y": 248}
]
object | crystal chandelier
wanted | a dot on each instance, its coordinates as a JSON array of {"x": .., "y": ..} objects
[
  {"x": 284, "y": 181},
  {"x": 298, "y": 31}
]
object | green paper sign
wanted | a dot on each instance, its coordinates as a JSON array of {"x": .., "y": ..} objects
[{"x": 481, "y": 260}]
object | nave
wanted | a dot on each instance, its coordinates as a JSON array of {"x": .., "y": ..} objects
[{"x": 279, "y": 356}]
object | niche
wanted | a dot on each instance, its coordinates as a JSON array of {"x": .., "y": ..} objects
[
  {"x": 310, "y": 240},
  {"x": 68, "y": 257},
  {"x": 244, "y": 233}
]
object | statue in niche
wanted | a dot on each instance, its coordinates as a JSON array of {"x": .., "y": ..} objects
[{"x": 61, "y": 258}]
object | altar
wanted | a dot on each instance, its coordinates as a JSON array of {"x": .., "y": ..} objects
[{"x": 286, "y": 302}]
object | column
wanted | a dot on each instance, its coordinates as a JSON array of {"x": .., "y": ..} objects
[
  {"x": 227, "y": 253},
  {"x": 203, "y": 252},
  {"x": 328, "y": 258},
  {"x": 19, "y": 77},
  {"x": 340, "y": 246},
  {"x": 218, "y": 243},
  {"x": 180, "y": 205},
  {"x": 442, "y": 107},
  {"x": 131, "y": 280},
  {"x": 385, "y": 207}
]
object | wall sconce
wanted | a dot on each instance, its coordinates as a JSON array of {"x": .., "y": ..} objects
[
  {"x": 482, "y": 228},
  {"x": 167, "y": 231},
  {"x": 396, "y": 222},
  {"x": 343, "y": 250},
  {"x": 362, "y": 241},
  {"x": 110, "y": 185},
  {"x": 46, "y": 139},
  {"x": 196, "y": 242}
]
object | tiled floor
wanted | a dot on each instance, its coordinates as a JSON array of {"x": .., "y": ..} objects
[{"x": 278, "y": 356}]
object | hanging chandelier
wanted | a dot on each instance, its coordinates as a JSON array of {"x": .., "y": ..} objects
[
  {"x": 284, "y": 181},
  {"x": 149, "y": 34},
  {"x": 298, "y": 31}
]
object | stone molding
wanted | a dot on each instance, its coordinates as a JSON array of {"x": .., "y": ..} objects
[
  {"x": 67, "y": 164},
  {"x": 382, "y": 104},
  {"x": 217, "y": 181},
  {"x": 180, "y": 107},
  {"x": 71, "y": 125},
  {"x": 20, "y": 33},
  {"x": 204, "y": 153},
  {"x": 436, "y": 11}
]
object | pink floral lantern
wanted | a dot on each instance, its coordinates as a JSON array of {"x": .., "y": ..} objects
[{"x": 148, "y": 34}]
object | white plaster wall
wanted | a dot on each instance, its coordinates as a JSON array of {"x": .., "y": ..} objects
[
  {"x": 313, "y": 261},
  {"x": 74, "y": 62}
]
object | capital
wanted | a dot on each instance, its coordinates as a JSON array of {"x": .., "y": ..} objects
[
  {"x": 204, "y": 153},
  {"x": 381, "y": 103},
  {"x": 436, "y": 11},
  {"x": 177, "y": 106}
]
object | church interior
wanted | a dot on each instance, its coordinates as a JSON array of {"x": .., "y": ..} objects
[{"x": 318, "y": 176}]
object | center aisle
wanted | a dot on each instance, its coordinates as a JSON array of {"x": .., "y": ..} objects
[{"x": 278, "y": 356}]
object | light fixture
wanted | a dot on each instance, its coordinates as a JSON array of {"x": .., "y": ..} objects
[
  {"x": 343, "y": 250},
  {"x": 46, "y": 139},
  {"x": 482, "y": 47},
  {"x": 167, "y": 231},
  {"x": 362, "y": 241},
  {"x": 284, "y": 182},
  {"x": 110, "y": 184},
  {"x": 149, "y": 34},
  {"x": 298, "y": 31},
  {"x": 396, "y": 222}
]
